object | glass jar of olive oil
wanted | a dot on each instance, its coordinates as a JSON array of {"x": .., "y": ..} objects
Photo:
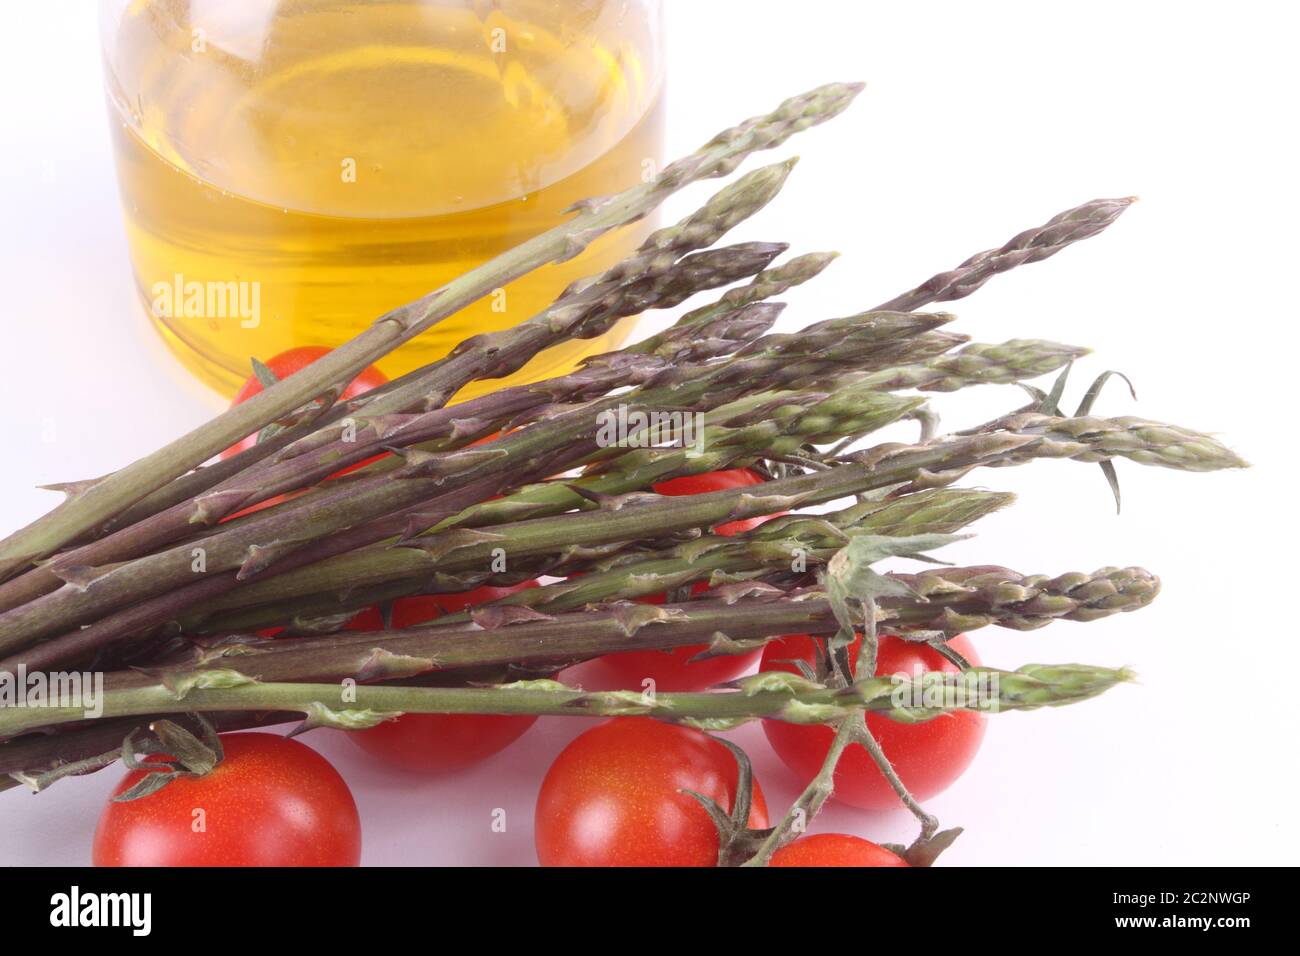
[{"x": 292, "y": 169}]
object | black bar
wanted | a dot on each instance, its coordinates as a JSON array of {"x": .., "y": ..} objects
[{"x": 370, "y": 904}]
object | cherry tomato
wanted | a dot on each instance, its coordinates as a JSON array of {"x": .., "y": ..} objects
[
  {"x": 286, "y": 364},
  {"x": 927, "y": 756},
  {"x": 834, "y": 849},
  {"x": 672, "y": 670},
  {"x": 438, "y": 743},
  {"x": 613, "y": 797},
  {"x": 271, "y": 802}
]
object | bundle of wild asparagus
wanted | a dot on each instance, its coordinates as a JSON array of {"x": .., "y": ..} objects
[{"x": 160, "y": 574}]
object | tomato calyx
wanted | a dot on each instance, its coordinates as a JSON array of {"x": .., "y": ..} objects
[
  {"x": 925, "y": 850},
  {"x": 262, "y": 372},
  {"x": 181, "y": 754},
  {"x": 737, "y": 841}
]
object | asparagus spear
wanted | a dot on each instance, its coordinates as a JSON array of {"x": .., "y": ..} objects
[
  {"x": 1032, "y": 245},
  {"x": 1101, "y": 439},
  {"x": 949, "y": 601},
  {"x": 82, "y": 511},
  {"x": 553, "y": 634},
  {"x": 978, "y": 364},
  {"x": 782, "y": 697}
]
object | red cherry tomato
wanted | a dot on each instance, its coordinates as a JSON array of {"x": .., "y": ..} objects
[
  {"x": 271, "y": 802},
  {"x": 286, "y": 364},
  {"x": 437, "y": 743},
  {"x": 614, "y": 797},
  {"x": 672, "y": 670},
  {"x": 834, "y": 849},
  {"x": 927, "y": 756}
]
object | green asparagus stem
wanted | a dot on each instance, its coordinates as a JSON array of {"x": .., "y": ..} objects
[
  {"x": 963, "y": 599},
  {"x": 1032, "y": 245},
  {"x": 777, "y": 697},
  {"x": 766, "y": 285},
  {"x": 1145, "y": 442},
  {"x": 978, "y": 364},
  {"x": 696, "y": 324},
  {"x": 540, "y": 629}
]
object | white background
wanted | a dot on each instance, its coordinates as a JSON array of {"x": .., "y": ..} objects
[{"x": 980, "y": 120}]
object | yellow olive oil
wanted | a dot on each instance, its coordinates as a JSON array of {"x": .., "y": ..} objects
[{"x": 292, "y": 169}]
